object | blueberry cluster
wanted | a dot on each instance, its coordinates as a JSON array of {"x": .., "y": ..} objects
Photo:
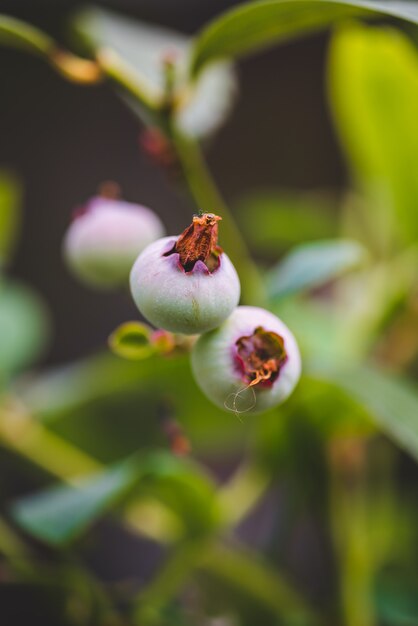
[{"x": 246, "y": 359}]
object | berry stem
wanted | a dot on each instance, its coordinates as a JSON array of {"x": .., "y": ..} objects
[
  {"x": 137, "y": 86},
  {"x": 208, "y": 198}
]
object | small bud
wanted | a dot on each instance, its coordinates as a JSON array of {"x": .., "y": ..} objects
[
  {"x": 105, "y": 238},
  {"x": 158, "y": 148},
  {"x": 249, "y": 364},
  {"x": 186, "y": 284}
]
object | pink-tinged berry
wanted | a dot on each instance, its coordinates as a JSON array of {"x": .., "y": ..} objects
[
  {"x": 249, "y": 364},
  {"x": 105, "y": 238},
  {"x": 186, "y": 284}
]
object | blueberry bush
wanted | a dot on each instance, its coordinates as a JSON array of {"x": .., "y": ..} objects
[{"x": 264, "y": 471}]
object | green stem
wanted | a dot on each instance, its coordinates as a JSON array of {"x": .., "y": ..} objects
[
  {"x": 209, "y": 199},
  {"x": 135, "y": 85},
  {"x": 11, "y": 545},
  {"x": 21, "y": 433},
  {"x": 233, "y": 568},
  {"x": 244, "y": 570},
  {"x": 242, "y": 492},
  {"x": 170, "y": 580},
  {"x": 349, "y": 513}
]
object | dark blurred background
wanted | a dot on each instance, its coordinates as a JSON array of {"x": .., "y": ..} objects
[{"x": 63, "y": 140}]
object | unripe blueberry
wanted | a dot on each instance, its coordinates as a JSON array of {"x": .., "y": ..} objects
[
  {"x": 106, "y": 237},
  {"x": 186, "y": 284},
  {"x": 249, "y": 364}
]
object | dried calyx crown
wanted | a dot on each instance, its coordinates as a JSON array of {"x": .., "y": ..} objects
[
  {"x": 107, "y": 190},
  {"x": 199, "y": 242},
  {"x": 260, "y": 356}
]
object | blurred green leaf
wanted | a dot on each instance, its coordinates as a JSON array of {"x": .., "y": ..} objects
[
  {"x": 60, "y": 514},
  {"x": 373, "y": 77},
  {"x": 23, "y": 326},
  {"x": 18, "y": 34},
  {"x": 133, "y": 53},
  {"x": 396, "y": 598},
  {"x": 63, "y": 390},
  {"x": 392, "y": 403},
  {"x": 313, "y": 264},
  {"x": 9, "y": 215},
  {"x": 186, "y": 489},
  {"x": 273, "y": 220},
  {"x": 129, "y": 49},
  {"x": 256, "y": 25},
  {"x": 316, "y": 326},
  {"x": 122, "y": 400},
  {"x": 131, "y": 340}
]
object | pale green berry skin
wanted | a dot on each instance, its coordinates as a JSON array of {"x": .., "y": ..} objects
[
  {"x": 216, "y": 372},
  {"x": 102, "y": 243},
  {"x": 182, "y": 302}
]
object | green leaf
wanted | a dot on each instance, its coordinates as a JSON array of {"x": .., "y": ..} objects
[
  {"x": 122, "y": 400},
  {"x": 256, "y": 25},
  {"x": 9, "y": 215},
  {"x": 131, "y": 340},
  {"x": 396, "y": 596},
  {"x": 132, "y": 51},
  {"x": 373, "y": 77},
  {"x": 392, "y": 403},
  {"x": 313, "y": 264},
  {"x": 18, "y": 34},
  {"x": 23, "y": 326},
  {"x": 273, "y": 220},
  {"x": 60, "y": 514},
  {"x": 317, "y": 326},
  {"x": 133, "y": 54}
]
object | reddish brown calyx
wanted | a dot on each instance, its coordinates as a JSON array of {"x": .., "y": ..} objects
[
  {"x": 261, "y": 356},
  {"x": 199, "y": 242}
]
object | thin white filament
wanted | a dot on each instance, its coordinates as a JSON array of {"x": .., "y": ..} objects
[{"x": 235, "y": 396}]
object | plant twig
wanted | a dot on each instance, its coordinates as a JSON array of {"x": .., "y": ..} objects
[{"x": 208, "y": 198}]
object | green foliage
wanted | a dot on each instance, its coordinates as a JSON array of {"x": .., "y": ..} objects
[
  {"x": 19, "y": 34},
  {"x": 9, "y": 216},
  {"x": 397, "y": 599},
  {"x": 373, "y": 82},
  {"x": 272, "y": 221},
  {"x": 255, "y": 25},
  {"x": 313, "y": 264},
  {"x": 123, "y": 401},
  {"x": 392, "y": 403},
  {"x": 344, "y": 290},
  {"x": 23, "y": 317},
  {"x": 150, "y": 63},
  {"x": 136, "y": 51},
  {"x": 23, "y": 326},
  {"x": 62, "y": 513},
  {"x": 244, "y": 580}
]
